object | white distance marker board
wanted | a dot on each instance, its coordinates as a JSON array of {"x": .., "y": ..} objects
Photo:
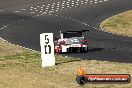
[{"x": 47, "y": 49}]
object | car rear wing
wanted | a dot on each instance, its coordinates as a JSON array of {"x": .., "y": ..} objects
[
  {"x": 78, "y": 31},
  {"x": 84, "y": 30}
]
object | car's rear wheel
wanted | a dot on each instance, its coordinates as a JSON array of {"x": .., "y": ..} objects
[
  {"x": 58, "y": 50},
  {"x": 85, "y": 49}
]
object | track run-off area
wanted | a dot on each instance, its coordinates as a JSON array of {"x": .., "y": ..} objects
[{"x": 22, "y": 22}]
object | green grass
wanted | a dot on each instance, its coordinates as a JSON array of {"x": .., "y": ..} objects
[
  {"x": 30, "y": 58},
  {"x": 120, "y": 24},
  {"x": 24, "y": 70}
]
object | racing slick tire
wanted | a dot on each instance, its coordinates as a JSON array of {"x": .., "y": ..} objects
[
  {"x": 58, "y": 50},
  {"x": 84, "y": 49}
]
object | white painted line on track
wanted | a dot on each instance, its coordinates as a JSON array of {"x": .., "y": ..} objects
[
  {"x": 100, "y": 1},
  {"x": 106, "y": 0},
  {"x": 1, "y": 10},
  {"x": 31, "y": 9},
  {"x": 23, "y": 9},
  {"x": 17, "y": 11},
  {"x": 12, "y": 43}
]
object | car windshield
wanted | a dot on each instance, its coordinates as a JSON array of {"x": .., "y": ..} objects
[{"x": 71, "y": 34}]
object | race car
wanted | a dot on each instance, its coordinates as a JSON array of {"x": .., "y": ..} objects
[{"x": 71, "y": 41}]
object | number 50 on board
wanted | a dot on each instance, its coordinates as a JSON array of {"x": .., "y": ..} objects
[{"x": 47, "y": 49}]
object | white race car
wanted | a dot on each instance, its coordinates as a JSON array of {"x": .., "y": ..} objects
[{"x": 71, "y": 41}]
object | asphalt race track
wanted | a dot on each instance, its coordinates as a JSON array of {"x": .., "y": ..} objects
[{"x": 22, "y": 22}]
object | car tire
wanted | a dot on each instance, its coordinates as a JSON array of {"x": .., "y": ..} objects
[{"x": 86, "y": 50}]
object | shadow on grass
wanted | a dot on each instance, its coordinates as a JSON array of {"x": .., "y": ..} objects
[{"x": 66, "y": 61}]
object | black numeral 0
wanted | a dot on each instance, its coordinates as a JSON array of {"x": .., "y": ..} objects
[{"x": 46, "y": 49}]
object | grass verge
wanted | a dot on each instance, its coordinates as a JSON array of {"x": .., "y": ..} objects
[
  {"x": 120, "y": 24},
  {"x": 22, "y": 68}
]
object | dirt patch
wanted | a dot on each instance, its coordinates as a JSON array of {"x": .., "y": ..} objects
[{"x": 120, "y": 24}]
